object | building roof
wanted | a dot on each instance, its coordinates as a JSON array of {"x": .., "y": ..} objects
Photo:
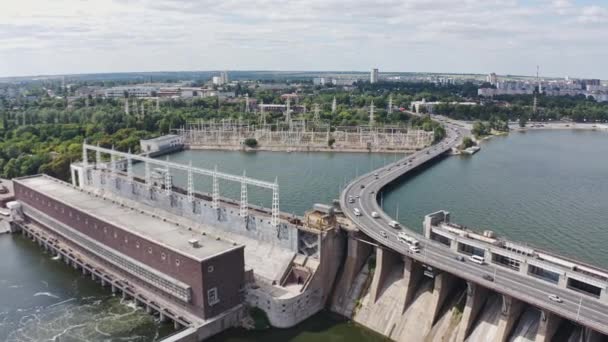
[
  {"x": 155, "y": 229},
  {"x": 161, "y": 138}
]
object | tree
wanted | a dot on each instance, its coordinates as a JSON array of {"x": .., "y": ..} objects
[
  {"x": 251, "y": 142},
  {"x": 467, "y": 142},
  {"x": 523, "y": 120},
  {"x": 331, "y": 142}
]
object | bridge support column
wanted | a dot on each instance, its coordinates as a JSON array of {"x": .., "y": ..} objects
[
  {"x": 124, "y": 294},
  {"x": 385, "y": 261},
  {"x": 604, "y": 295},
  {"x": 161, "y": 317},
  {"x": 547, "y": 326},
  {"x": 148, "y": 309},
  {"x": 454, "y": 245},
  {"x": 84, "y": 271},
  {"x": 441, "y": 288},
  {"x": 476, "y": 297},
  {"x": 412, "y": 273},
  {"x": 113, "y": 288},
  {"x": 511, "y": 309},
  {"x": 176, "y": 325},
  {"x": 357, "y": 254},
  {"x": 523, "y": 268},
  {"x": 562, "y": 282},
  {"x": 103, "y": 283}
]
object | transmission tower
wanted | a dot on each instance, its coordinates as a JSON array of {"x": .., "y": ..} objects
[
  {"x": 371, "y": 113},
  {"x": 334, "y": 106}
]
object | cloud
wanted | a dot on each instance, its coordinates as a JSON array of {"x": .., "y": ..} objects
[{"x": 65, "y": 36}]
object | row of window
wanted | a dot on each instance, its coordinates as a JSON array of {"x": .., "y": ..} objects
[
  {"x": 167, "y": 284},
  {"x": 61, "y": 209}
]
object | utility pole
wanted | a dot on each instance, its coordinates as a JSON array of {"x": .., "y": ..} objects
[{"x": 334, "y": 106}]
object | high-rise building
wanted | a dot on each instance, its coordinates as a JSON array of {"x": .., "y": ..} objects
[
  {"x": 373, "y": 76},
  {"x": 492, "y": 79}
]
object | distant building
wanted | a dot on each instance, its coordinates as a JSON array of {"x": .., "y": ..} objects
[
  {"x": 373, "y": 76},
  {"x": 132, "y": 91},
  {"x": 162, "y": 143},
  {"x": 319, "y": 81},
  {"x": 428, "y": 107},
  {"x": 222, "y": 79},
  {"x": 492, "y": 79}
]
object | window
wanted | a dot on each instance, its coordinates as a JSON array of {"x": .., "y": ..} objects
[
  {"x": 70, "y": 213},
  {"x": 210, "y": 269},
  {"x": 212, "y": 296},
  {"x": 105, "y": 230}
]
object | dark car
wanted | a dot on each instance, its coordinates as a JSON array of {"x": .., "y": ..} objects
[
  {"x": 459, "y": 258},
  {"x": 488, "y": 277}
]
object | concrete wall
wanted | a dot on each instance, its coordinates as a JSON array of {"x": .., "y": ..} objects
[
  {"x": 285, "y": 308},
  {"x": 257, "y": 227}
]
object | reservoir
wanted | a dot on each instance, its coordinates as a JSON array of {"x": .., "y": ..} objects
[{"x": 546, "y": 188}]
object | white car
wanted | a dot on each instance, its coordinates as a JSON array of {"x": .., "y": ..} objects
[
  {"x": 375, "y": 214},
  {"x": 383, "y": 234},
  {"x": 555, "y": 298}
]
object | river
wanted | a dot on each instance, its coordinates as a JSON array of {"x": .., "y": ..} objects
[{"x": 543, "y": 187}]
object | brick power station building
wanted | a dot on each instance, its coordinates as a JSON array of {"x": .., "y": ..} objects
[{"x": 202, "y": 273}]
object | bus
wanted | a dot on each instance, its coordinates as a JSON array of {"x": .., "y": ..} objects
[{"x": 410, "y": 241}]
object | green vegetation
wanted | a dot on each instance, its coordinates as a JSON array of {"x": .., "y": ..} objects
[
  {"x": 251, "y": 142},
  {"x": 467, "y": 142},
  {"x": 515, "y": 107},
  {"x": 482, "y": 129},
  {"x": 331, "y": 142}
]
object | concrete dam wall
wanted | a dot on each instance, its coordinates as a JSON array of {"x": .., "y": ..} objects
[{"x": 405, "y": 301}]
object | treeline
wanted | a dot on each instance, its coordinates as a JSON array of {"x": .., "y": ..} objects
[
  {"x": 51, "y": 148},
  {"x": 514, "y": 107}
]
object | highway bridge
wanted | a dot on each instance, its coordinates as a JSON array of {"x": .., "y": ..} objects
[{"x": 588, "y": 311}]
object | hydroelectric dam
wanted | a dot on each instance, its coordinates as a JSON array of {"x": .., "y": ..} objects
[{"x": 201, "y": 260}]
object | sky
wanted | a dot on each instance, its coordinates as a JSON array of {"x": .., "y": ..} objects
[{"x": 54, "y": 37}]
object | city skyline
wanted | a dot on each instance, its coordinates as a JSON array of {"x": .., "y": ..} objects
[{"x": 502, "y": 36}]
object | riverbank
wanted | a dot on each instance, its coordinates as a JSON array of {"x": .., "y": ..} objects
[
  {"x": 296, "y": 149},
  {"x": 559, "y": 125}
]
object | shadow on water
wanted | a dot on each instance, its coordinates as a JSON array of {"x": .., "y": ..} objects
[{"x": 323, "y": 327}]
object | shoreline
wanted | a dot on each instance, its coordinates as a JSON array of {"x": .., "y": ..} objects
[{"x": 295, "y": 149}]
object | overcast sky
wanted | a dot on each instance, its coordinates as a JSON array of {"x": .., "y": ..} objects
[{"x": 564, "y": 37}]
